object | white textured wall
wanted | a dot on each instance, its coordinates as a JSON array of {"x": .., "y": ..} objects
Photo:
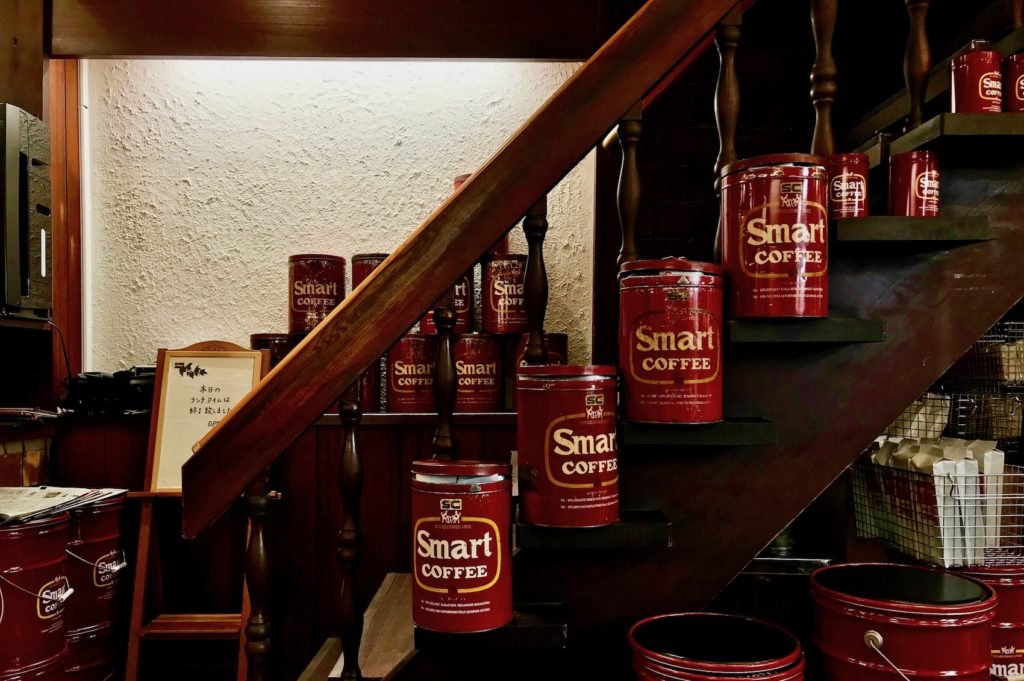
[{"x": 205, "y": 175}]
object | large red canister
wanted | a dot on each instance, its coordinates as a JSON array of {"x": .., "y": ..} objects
[
  {"x": 775, "y": 236},
  {"x": 410, "y": 373},
  {"x": 1013, "y": 76},
  {"x": 50, "y": 670},
  {"x": 567, "y": 446},
  {"x": 929, "y": 623},
  {"x": 557, "y": 346},
  {"x": 914, "y": 184},
  {"x": 847, "y": 186},
  {"x": 369, "y": 383},
  {"x": 706, "y": 647},
  {"x": 670, "y": 341},
  {"x": 461, "y": 296},
  {"x": 502, "y": 296},
  {"x": 976, "y": 80},
  {"x": 462, "y": 561},
  {"x": 1008, "y": 624},
  {"x": 95, "y": 563},
  {"x": 316, "y": 285},
  {"x": 91, "y": 654},
  {"x": 33, "y": 589},
  {"x": 478, "y": 371}
]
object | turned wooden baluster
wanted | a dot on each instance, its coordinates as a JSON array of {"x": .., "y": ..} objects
[
  {"x": 823, "y": 75},
  {"x": 350, "y": 539},
  {"x": 629, "y": 131},
  {"x": 257, "y": 580},
  {"x": 535, "y": 226},
  {"x": 444, "y": 381},
  {"x": 917, "y": 61},
  {"x": 727, "y": 102},
  {"x": 1016, "y": 13}
]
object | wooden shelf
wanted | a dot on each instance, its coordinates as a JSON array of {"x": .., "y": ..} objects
[
  {"x": 834, "y": 329},
  {"x": 193, "y": 626},
  {"x": 636, "y": 529},
  {"x": 985, "y": 138},
  {"x": 791, "y": 566},
  {"x": 26, "y": 323},
  {"x": 866, "y": 235},
  {"x": 534, "y": 626},
  {"x": 389, "y": 419},
  {"x": 731, "y": 432}
]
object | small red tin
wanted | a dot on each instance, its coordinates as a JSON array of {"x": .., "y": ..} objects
[
  {"x": 503, "y": 300},
  {"x": 557, "y": 345},
  {"x": 462, "y": 299},
  {"x": 369, "y": 383},
  {"x": 914, "y": 184},
  {"x": 775, "y": 236},
  {"x": 462, "y": 560},
  {"x": 316, "y": 285},
  {"x": 567, "y": 445},
  {"x": 410, "y": 372},
  {"x": 670, "y": 341},
  {"x": 1013, "y": 76},
  {"x": 976, "y": 80},
  {"x": 478, "y": 369},
  {"x": 847, "y": 186},
  {"x": 363, "y": 264},
  {"x": 279, "y": 345}
]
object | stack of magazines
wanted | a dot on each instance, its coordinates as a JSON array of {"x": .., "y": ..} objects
[{"x": 22, "y": 504}]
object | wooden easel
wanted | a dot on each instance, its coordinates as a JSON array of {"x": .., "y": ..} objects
[{"x": 148, "y": 568}]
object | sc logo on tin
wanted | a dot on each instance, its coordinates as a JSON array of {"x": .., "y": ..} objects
[
  {"x": 451, "y": 511},
  {"x": 791, "y": 187},
  {"x": 451, "y": 504}
]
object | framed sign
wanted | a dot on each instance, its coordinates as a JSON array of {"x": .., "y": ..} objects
[{"x": 195, "y": 387}]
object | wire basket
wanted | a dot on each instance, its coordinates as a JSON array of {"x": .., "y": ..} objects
[
  {"x": 945, "y": 519},
  {"x": 997, "y": 358},
  {"x": 971, "y": 416}
]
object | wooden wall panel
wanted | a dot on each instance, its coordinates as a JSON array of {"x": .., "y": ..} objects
[{"x": 21, "y": 55}]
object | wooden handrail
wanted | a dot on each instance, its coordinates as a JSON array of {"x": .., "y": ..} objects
[{"x": 530, "y": 163}]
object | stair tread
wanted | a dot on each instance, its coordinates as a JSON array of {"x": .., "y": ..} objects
[
  {"x": 975, "y": 134},
  {"x": 833, "y": 329},
  {"x": 534, "y": 626},
  {"x": 637, "y": 528},
  {"x": 194, "y": 626},
  {"x": 733, "y": 431}
]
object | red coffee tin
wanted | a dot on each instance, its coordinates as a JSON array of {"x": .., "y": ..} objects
[
  {"x": 670, "y": 341},
  {"x": 316, "y": 285},
  {"x": 92, "y": 654},
  {"x": 462, "y": 561},
  {"x": 914, "y": 184},
  {"x": 931, "y": 623},
  {"x": 775, "y": 236},
  {"x": 567, "y": 445},
  {"x": 410, "y": 374},
  {"x": 976, "y": 80},
  {"x": 1013, "y": 76},
  {"x": 557, "y": 345},
  {"x": 462, "y": 296},
  {"x": 95, "y": 563},
  {"x": 369, "y": 383},
  {"x": 1008, "y": 623},
  {"x": 847, "y": 186},
  {"x": 478, "y": 369},
  {"x": 363, "y": 264},
  {"x": 50, "y": 670},
  {"x": 503, "y": 301},
  {"x": 33, "y": 589},
  {"x": 279, "y": 345}
]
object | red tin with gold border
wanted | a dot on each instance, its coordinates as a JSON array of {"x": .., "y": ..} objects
[
  {"x": 461, "y": 295},
  {"x": 567, "y": 445},
  {"x": 369, "y": 383},
  {"x": 1008, "y": 623},
  {"x": 478, "y": 370},
  {"x": 462, "y": 560},
  {"x": 316, "y": 285},
  {"x": 1013, "y": 79},
  {"x": 502, "y": 296},
  {"x": 557, "y": 345},
  {"x": 670, "y": 341},
  {"x": 976, "y": 80},
  {"x": 914, "y": 184},
  {"x": 847, "y": 186},
  {"x": 410, "y": 374},
  {"x": 775, "y": 236}
]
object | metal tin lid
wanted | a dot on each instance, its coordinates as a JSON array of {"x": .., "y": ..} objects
[
  {"x": 567, "y": 370},
  {"x": 460, "y": 468},
  {"x": 316, "y": 256},
  {"x": 773, "y": 160},
  {"x": 916, "y": 155},
  {"x": 508, "y": 256},
  {"x": 476, "y": 337},
  {"x": 901, "y": 588},
  {"x": 672, "y": 263},
  {"x": 359, "y": 257},
  {"x": 838, "y": 158},
  {"x": 270, "y": 336}
]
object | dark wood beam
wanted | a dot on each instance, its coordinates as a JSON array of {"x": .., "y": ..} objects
[
  {"x": 21, "y": 54},
  {"x": 395, "y": 295},
  {"x": 468, "y": 29}
]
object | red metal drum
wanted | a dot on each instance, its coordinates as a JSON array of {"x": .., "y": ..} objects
[
  {"x": 775, "y": 236},
  {"x": 50, "y": 670},
  {"x": 931, "y": 623},
  {"x": 502, "y": 296},
  {"x": 33, "y": 589},
  {"x": 670, "y": 341},
  {"x": 567, "y": 445},
  {"x": 95, "y": 563},
  {"x": 557, "y": 345},
  {"x": 462, "y": 561},
  {"x": 91, "y": 654},
  {"x": 1008, "y": 624},
  {"x": 462, "y": 300},
  {"x": 316, "y": 285},
  {"x": 914, "y": 184},
  {"x": 847, "y": 186},
  {"x": 369, "y": 383},
  {"x": 976, "y": 81},
  {"x": 410, "y": 374},
  {"x": 478, "y": 370},
  {"x": 706, "y": 646},
  {"x": 1013, "y": 76}
]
